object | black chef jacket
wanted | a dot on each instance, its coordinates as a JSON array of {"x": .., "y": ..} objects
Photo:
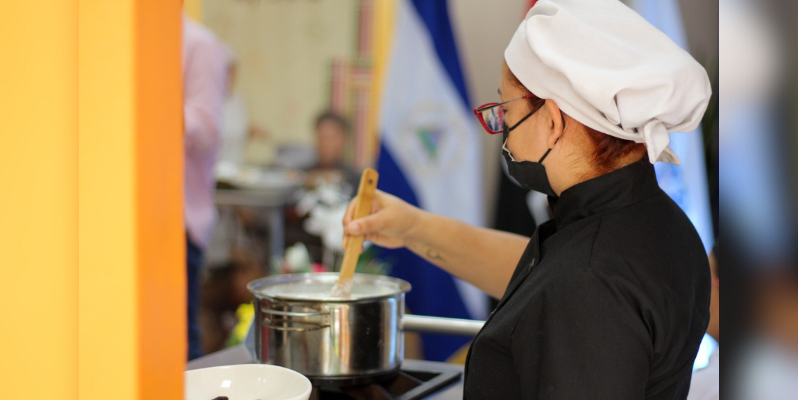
[{"x": 609, "y": 301}]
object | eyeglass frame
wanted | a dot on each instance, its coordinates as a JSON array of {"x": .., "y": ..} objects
[{"x": 478, "y": 111}]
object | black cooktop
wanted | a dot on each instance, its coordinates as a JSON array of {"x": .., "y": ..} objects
[{"x": 416, "y": 380}]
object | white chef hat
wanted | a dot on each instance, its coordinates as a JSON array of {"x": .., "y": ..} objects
[{"x": 611, "y": 70}]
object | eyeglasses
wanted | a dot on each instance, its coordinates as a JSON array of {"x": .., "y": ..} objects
[{"x": 492, "y": 117}]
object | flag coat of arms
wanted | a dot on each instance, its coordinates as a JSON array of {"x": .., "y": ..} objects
[{"x": 430, "y": 156}]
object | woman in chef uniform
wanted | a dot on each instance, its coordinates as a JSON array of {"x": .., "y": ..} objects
[{"x": 609, "y": 299}]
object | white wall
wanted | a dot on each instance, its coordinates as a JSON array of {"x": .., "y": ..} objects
[{"x": 285, "y": 49}]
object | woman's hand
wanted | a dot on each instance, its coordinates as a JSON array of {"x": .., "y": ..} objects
[
  {"x": 389, "y": 224},
  {"x": 484, "y": 257}
]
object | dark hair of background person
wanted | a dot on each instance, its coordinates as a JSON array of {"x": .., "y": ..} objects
[{"x": 331, "y": 116}]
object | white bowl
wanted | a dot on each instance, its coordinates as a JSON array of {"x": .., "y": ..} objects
[{"x": 247, "y": 382}]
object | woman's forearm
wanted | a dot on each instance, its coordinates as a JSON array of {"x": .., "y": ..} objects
[{"x": 483, "y": 257}]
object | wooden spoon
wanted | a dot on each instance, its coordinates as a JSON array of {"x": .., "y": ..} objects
[{"x": 353, "y": 245}]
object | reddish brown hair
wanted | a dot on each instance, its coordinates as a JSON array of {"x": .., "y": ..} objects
[{"x": 608, "y": 150}]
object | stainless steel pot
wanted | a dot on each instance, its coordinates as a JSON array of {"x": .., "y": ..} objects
[
  {"x": 302, "y": 327},
  {"x": 339, "y": 341}
]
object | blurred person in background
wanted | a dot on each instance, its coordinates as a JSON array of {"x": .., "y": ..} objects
[
  {"x": 610, "y": 298},
  {"x": 243, "y": 142},
  {"x": 331, "y": 133},
  {"x": 205, "y": 81},
  {"x": 235, "y": 121},
  {"x": 329, "y": 172},
  {"x": 705, "y": 382}
]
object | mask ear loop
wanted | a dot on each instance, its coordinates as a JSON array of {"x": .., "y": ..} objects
[
  {"x": 564, "y": 127},
  {"x": 521, "y": 121},
  {"x": 528, "y": 116}
]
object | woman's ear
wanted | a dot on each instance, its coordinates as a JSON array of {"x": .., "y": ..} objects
[{"x": 556, "y": 122}]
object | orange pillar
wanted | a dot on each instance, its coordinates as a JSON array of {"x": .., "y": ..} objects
[
  {"x": 132, "y": 300},
  {"x": 39, "y": 202}
]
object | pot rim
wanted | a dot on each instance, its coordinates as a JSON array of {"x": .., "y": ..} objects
[{"x": 257, "y": 285}]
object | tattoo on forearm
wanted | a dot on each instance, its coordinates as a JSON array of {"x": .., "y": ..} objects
[{"x": 434, "y": 255}]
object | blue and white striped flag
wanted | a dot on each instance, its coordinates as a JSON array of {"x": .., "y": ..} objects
[{"x": 430, "y": 156}]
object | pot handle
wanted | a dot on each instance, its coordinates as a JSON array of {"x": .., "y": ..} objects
[
  {"x": 285, "y": 318},
  {"x": 445, "y": 326}
]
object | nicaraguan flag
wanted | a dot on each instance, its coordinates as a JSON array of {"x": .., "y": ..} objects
[
  {"x": 430, "y": 156},
  {"x": 686, "y": 184}
]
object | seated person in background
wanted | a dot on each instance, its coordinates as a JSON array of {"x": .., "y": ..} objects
[
  {"x": 331, "y": 139},
  {"x": 331, "y": 131}
]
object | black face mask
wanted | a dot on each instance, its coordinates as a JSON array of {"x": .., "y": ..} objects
[{"x": 529, "y": 175}]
